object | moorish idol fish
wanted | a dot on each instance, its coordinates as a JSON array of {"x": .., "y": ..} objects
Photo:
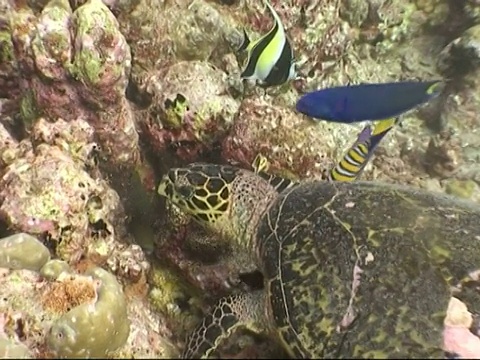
[
  {"x": 353, "y": 162},
  {"x": 270, "y": 60},
  {"x": 374, "y": 102}
]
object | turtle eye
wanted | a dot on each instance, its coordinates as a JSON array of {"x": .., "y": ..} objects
[{"x": 185, "y": 191}]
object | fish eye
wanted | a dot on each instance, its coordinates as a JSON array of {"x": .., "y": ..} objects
[{"x": 185, "y": 191}]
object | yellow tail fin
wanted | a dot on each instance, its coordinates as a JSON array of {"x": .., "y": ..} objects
[{"x": 383, "y": 125}]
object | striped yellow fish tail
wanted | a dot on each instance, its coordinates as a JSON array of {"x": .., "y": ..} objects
[
  {"x": 383, "y": 126},
  {"x": 352, "y": 163}
]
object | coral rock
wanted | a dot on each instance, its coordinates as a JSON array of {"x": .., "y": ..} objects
[
  {"x": 130, "y": 263},
  {"x": 102, "y": 56},
  {"x": 10, "y": 349},
  {"x": 22, "y": 251},
  {"x": 444, "y": 155},
  {"x": 192, "y": 108},
  {"x": 8, "y": 147},
  {"x": 54, "y": 268},
  {"x": 76, "y": 65},
  {"x": 9, "y": 75},
  {"x": 192, "y": 33},
  {"x": 462, "y": 54},
  {"x": 34, "y": 201},
  {"x": 52, "y": 43}
]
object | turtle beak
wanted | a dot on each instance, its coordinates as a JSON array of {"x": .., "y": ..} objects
[{"x": 165, "y": 187}]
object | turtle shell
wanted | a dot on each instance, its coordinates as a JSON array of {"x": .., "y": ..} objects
[{"x": 366, "y": 269}]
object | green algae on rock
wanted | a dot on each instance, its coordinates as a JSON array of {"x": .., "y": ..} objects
[
  {"x": 23, "y": 251},
  {"x": 102, "y": 56},
  {"x": 52, "y": 43},
  {"x": 76, "y": 65},
  {"x": 472, "y": 10},
  {"x": 461, "y": 189},
  {"x": 436, "y": 11},
  {"x": 117, "y": 6},
  {"x": 28, "y": 108},
  {"x": 93, "y": 329},
  {"x": 354, "y": 11},
  {"x": 166, "y": 291}
]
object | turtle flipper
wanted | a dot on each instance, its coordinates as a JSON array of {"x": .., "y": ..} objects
[{"x": 231, "y": 312}]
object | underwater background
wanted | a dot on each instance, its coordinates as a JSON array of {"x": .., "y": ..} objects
[{"x": 98, "y": 99}]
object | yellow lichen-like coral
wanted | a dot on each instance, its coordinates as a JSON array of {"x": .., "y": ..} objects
[{"x": 68, "y": 292}]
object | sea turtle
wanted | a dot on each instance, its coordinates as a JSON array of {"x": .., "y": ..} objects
[{"x": 351, "y": 269}]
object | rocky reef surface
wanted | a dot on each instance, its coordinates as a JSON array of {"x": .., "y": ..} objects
[{"x": 99, "y": 98}]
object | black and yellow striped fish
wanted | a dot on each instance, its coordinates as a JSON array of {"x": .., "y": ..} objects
[
  {"x": 353, "y": 162},
  {"x": 270, "y": 59}
]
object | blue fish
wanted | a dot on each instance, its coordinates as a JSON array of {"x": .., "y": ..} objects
[
  {"x": 356, "y": 158},
  {"x": 354, "y": 103}
]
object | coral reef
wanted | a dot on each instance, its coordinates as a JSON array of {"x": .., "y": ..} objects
[
  {"x": 98, "y": 98},
  {"x": 158, "y": 42},
  {"x": 71, "y": 208},
  {"x": 75, "y": 64},
  {"x": 94, "y": 299},
  {"x": 193, "y": 37},
  {"x": 11, "y": 348},
  {"x": 57, "y": 312}
]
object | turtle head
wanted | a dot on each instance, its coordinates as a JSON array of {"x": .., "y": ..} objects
[{"x": 226, "y": 199}]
